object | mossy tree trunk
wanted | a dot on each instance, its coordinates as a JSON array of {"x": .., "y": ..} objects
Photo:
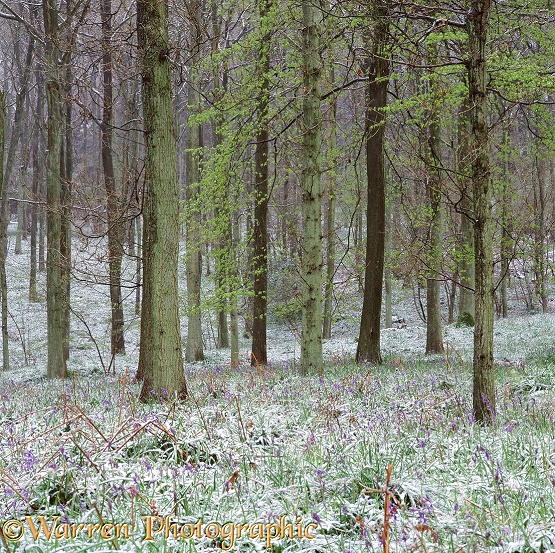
[
  {"x": 56, "y": 289},
  {"x": 311, "y": 125},
  {"x": 160, "y": 356},
  {"x": 483, "y": 380}
]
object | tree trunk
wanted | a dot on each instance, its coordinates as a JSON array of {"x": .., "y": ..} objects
[
  {"x": 260, "y": 218},
  {"x": 483, "y": 381},
  {"x": 434, "y": 336},
  {"x": 540, "y": 272},
  {"x": 311, "y": 263},
  {"x": 388, "y": 253},
  {"x": 368, "y": 348},
  {"x": 233, "y": 315},
  {"x": 194, "y": 351},
  {"x": 506, "y": 228},
  {"x": 37, "y": 185},
  {"x": 330, "y": 223},
  {"x": 20, "y": 210},
  {"x": 466, "y": 265},
  {"x": 56, "y": 291},
  {"x": 138, "y": 265},
  {"x": 4, "y": 216},
  {"x": 66, "y": 173},
  {"x": 115, "y": 227},
  {"x": 160, "y": 356}
]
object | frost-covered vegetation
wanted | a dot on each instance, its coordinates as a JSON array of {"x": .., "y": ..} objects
[{"x": 254, "y": 445}]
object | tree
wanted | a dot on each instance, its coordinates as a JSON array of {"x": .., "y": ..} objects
[
  {"x": 483, "y": 382},
  {"x": 466, "y": 265},
  {"x": 311, "y": 125},
  {"x": 194, "y": 350},
  {"x": 115, "y": 228},
  {"x": 56, "y": 287},
  {"x": 160, "y": 356},
  {"x": 260, "y": 217},
  {"x": 368, "y": 348},
  {"x": 434, "y": 337},
  {"x": 3, "y": 241}
]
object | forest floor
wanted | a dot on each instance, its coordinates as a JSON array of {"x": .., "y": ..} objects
[{"x": 254, "y": 445}]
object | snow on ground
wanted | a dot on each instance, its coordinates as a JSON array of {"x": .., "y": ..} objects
[{"x": 254, "y": 445}]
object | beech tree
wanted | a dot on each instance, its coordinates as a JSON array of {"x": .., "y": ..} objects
[
  {"x": 377, "y": 68},
  {"x": 160, "y": 356},
  {"x": 260, "y": 219},
  {"x": 114, "y": 217},
  {"x": 483, "y": 388},
  {"x": 311, "y": 125},
  {"x": 56, "y": 286}
]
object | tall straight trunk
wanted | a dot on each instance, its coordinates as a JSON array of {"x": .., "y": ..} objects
[
  {"x": 483, "y": 381},
  {"x": 466, "y": 265},
  {"x": 388, "y": 258},
  {"x": 330, "y": 223},
  {"x": 434, "y": 335},
  {"x": 233, "y": 313},
  {"x": 506, "y": 228},
  {"x": 194, "y": 351},
  {"x": 311, "y": 263},
  {"x": 138, "y": 265},
  {"x": 20, "y": 209},
  {"x": 540, "y": 272},
  {"x": 260, "y": 218},
  {"x": 160, "y": 355},
  {"x": 115, "y": 227},
  {"x": 55, "y": 286},
  {"x": 37, "y": 184},
  {"x": 4, "y": 215},
  {"x": 368, "y": 348},
  {"x": 222, "y": 244},
  {"x": 66, "y": 173}
]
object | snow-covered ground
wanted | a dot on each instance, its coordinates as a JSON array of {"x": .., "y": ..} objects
[{"x": 251, "y": 446}]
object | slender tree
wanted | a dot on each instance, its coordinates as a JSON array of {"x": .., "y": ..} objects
[
  {"x": 4, "y": 214},
  {"x": 434, "y": 335},
  {"x": 194, "y": 351},
  {"x": 260, "y": 217},
  {"x": 115, "y": 227},
  {"x": 56, "y": 288},
  {"x": 368, "y": 348},
  {"x": 483, "y": 382},
  {"x": 311, "y": 125}
]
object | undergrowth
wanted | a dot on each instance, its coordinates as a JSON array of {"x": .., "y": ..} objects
[{"x": 255, "y": 445}]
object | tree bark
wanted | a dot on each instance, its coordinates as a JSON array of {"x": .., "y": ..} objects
[
  {"x": 330, "y": 223},
  {"x": 4, "y": 215},
  {"x": 368, "y": 348},
  {"x": 115, "y": 226},
  {"x": 467, "y": 308},
  {"x": 483, "y": 380},
  {"x": 38, "y": 175},
  {"x": 194, "y": 351},
  {"x": 434, "y": 335},
  {"x": 56, "y": 290},
  {"x": 160, "y": 356},
  {"x": 311, "y": 263},
  {"x": 259, "y": 354}
]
